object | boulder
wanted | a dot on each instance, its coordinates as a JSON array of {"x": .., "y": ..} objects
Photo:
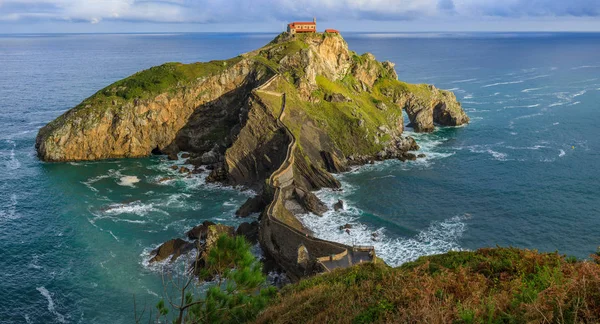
[
  {"x": 253, "y": 205},
  {"x": 174, "y": 167},
  {"x": 249, "y": 231},
  {"x": 184, "y": 170},
  {"x": 173, "y": 248},
  {"x": 214, "y": 232},
  {"x": 185, "y": 155},
  {"x": 420, "y": 156},
  {"x": 345, "y": 227},
  {"x": 310, "y": 202},
  {"x": 339, "y": 205},
  {"x": 173, "y": 157},
  {"x": 337, "y": 97},
  {"x": 199, "y": 232}
]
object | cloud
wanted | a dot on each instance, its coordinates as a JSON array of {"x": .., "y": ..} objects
[{"x": 208, "y": 11}]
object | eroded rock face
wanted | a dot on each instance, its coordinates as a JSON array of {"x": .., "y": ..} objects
[
  {"x": 440, "y": 108},
  {"x": 172, "y": 248},
  {"x": 94, "y": 131}
]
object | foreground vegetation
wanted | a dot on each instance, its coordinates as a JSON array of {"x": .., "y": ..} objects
[
  {"x": 501, "y": 285},
  {"x": 237, "y": 289}
]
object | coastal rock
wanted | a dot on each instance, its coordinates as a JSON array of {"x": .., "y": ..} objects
[
  {"x": 249, "y": 231},
  {"x": 199, "y": 232},
  {"x": 253, "y": 205},
  {"x": 172, "y": 248},
  {"x": 346, "y": 227},
  {"x": 310, "y": 202},
  {"x": 339, "y": 205},
  {"x": 215, "y": 231},
  {"x": 260, "y": 121}
]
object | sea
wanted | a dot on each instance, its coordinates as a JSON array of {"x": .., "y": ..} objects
[{"x": 75, "y": 238}]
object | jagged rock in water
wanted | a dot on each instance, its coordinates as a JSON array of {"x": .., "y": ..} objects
[
  {"x": 253, "y": 205},
  {"x": 172, "y": 248},
  {"x": 339, "y": 205},
  {"x": 310, "y": 202}
]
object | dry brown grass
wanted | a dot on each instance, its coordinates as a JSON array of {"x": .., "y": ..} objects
[{"x": 502, "y": 285}]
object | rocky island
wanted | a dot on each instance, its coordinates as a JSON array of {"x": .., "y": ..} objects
[{"x": 279, "y": 120}]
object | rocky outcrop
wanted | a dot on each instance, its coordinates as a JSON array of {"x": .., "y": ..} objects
[
  {"x": 441, "y": 109},
  {"x": 199, "y": 232},
  {"x": 253, "y": 205},
  {"x": 172, "y": 248},
  {"x": 341, "y": 109},
  {"x": 123, "y": 121}
]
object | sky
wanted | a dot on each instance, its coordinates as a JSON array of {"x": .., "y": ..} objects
[{"x": 58, "y": 16}]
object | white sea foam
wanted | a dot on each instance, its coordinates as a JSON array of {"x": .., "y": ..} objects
[
  {"x": 562, "y": 153},
  {"x": 575, "y": 103},
  {"x": 502, "y": 83},
  {"x": 532, "y": 89},
  {"x": 136, "y": 208},
  {"x": 10, "y": 213},
  {"x": 128, "y": 181},
  {"x": 580, "y": 93},
  {"x": 524, "y": 106},
  {"x": 439, "y": 237},
  {"x": 51, "y": 307},
  {"x": 464, "y": 81},
  {"x": 557, "y": 123},
  {"x": 529, "y": 116}
]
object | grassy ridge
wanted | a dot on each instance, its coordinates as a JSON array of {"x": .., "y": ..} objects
[{"x": 501, "y": 285}]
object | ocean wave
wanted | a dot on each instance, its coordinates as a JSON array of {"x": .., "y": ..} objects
[
  {"x": 463, "y": 81},
  {"x": 502, "y": 83},
  {"x": 11, "y": 163},
  {"x": 529, "y": 116},
  {"x": 532, "y": 89},
  {"x": 524, "y": 106},
  {"x": 575, "y": 103},
  {"x": 562, "y": 153},
  {"x": 438, "y": 237},
  {"x": 51, "y": 306},
  {"x": 535, "y": 147},
  {"x": 136, "y": 208},
  {"x": 10, "y": 213}
]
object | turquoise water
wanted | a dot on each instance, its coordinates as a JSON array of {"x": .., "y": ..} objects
[{"x": 75, "y": 236}]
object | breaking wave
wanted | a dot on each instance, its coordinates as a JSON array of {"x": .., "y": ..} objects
[
  {"x": 51, "y": 307},
  {"x": 438, "y": 237}
]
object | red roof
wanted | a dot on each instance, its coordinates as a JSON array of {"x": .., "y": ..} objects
[
  {"x": 302, "y": 23},
  {"x": 332, "y": 31}
]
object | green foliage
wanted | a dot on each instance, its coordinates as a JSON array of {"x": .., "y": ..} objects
[{"x": 241, "y": 292}]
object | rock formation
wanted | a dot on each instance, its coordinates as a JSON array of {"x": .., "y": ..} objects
[{"x": 341, "y": 109}]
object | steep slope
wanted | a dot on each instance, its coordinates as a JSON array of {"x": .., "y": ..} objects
[{"x": 501, "y": 285}]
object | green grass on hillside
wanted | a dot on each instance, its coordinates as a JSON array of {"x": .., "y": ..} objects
[{"x": 501, "y": 285}]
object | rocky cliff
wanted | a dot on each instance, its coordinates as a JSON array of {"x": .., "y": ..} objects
[
  {"x": 341, "y": 108},
  {"x": 203, "y": 106}
]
